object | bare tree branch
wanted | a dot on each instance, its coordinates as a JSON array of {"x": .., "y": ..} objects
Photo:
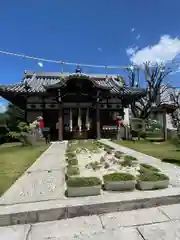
[{"x": 154, "y": 76}]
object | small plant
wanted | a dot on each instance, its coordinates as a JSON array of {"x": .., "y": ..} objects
[
  {"x": 127, "y": 163},
  {"x": 102, "y": 160},
  {"x": 149, "y": 167},
  {"x": 153, "y": 177},
  {"x": 22, "y": 134},
  {"x": 115, "y": 177},
  {"x": 118, "y": 154},
  {"x": 83, "y": 182},
  {"x": 73, "y": 170},
  {"x": 128, "y": 157},
  {"x": 93, "y": 165},
  {"x": 106, "y": 165}
]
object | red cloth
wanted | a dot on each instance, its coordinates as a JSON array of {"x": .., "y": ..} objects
[
  {"x": 118, "y": 122},
  {"x": 41, "y": 124}
]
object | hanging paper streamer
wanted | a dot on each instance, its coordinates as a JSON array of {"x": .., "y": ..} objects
[
  {"x": 79, "y": 120},
  {"x": 87, "y": 119},
  {"x": 70, "y": 120}
]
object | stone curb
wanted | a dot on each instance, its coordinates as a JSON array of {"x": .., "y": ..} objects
[{"x": 76, "y": 207}]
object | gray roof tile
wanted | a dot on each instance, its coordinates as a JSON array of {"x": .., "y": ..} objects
[{"x": 38, "y": 82}]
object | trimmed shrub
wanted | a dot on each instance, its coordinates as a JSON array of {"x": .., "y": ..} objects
[
  {"x": 128, "y": 157},
  {"x": 115, "y": 177},
  {"x": 72, "y": 161},
  {"x": 83, "y": 182},
  {"x": 70, "y": 154},
  {"x": 127, "y": 163},
  {"x": 153, "y": 177},
  {"x": 73, "y": 170},
  {"x": 149, "y": 167}
]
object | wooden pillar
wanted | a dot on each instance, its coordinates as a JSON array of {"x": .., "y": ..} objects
[
  {"x": 165, "y": 125},
  {"x": 43, "y": 110},
  {"x": 98, "y": 127},
  {"x": 60, "y": 123},
  {"x": 25, "y": 111}
]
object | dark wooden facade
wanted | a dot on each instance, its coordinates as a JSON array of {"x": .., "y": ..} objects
[{"x": 72, "y": 105}]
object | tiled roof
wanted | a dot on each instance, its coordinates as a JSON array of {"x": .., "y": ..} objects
[{"x": 39, "y": 82}]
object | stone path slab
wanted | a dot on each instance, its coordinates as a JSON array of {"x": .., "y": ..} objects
[
  {"x": 161, "y": 231},
  {"x": 132, "y": 218},
  {"x": 149, "y": 224},
  {"x": 171, "y": 170},
  {"x": 15, "y": 232},
  {"x": 43, "y": 181},
  {"x": 172, "y": 211}
]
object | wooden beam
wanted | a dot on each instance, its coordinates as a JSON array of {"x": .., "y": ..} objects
[
  {"x": 60, "y": 122},
  {"x": 98, "y": 127}
]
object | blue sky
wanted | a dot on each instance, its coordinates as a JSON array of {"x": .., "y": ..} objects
[{"x": 95, "y": 32}]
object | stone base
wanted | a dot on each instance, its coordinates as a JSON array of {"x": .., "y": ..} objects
[
  {"x": 153, "y": 185},
  {"x": 83, "y": 191},
  {"x": 85, "y": 206},
  {"x": 120, "y": 185}
]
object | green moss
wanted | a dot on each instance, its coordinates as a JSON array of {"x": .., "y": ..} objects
[
  {"x": 118, "y": 177},
  {"x": 72, "y": 161},
  {"x": 83, "y": 182},
  {"x": 73, "y": 170},
  {"x": 127, "y": 157},
  {"x": 149, "y": 167},
  {"x": 153, "y": 177},
  {"x": 127, "y": 163},
  {"x": 70, "y": 154}
]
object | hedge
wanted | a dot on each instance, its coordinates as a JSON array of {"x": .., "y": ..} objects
[
  {"x": 112, "y": 177},
  {"x": 73, "y": 170},
  {"x": 149, "y": 167},
  {"x": 83, "y": 182},
  {"x": 153, "y": 177}
]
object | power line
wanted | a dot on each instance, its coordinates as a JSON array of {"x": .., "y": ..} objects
[
  {"x": 41, "y": 59},
  {"x": 60, "y": 62}
]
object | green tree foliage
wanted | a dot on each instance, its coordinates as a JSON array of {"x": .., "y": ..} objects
[
  {"x": 22, "y": 134},
  {"x": 14, "y": 116}
]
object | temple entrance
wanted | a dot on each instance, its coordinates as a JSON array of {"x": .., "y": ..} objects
[
  {"x": 79, "y": 123},
  {"x": 50, "y": 120}
]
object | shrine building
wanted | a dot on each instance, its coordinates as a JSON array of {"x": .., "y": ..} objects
[{"x": 73, "y": 105}]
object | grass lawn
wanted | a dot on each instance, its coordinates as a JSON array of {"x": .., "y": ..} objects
[
  {"x": 162, "y": 150},
  {"x": 14, "y": 160}
]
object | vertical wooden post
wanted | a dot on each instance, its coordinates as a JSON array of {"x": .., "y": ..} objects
[
  {"x": 98, "y": 127},
  {"x": 164, "y": 125},
  {"x": 60, "y": 123},
  {"x": 25, "y": 111}
]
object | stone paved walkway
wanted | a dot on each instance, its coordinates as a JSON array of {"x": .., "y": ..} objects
[
  {"x": 44, "y": 180},
  {"x": 161, "y": 223},
  {"x": 171, "y": 170}
]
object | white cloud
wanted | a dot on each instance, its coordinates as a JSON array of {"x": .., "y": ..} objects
[
  {"x": 2, "y": 107},
  {"x": 131, "y": 51},
  {"x": 138, "y": 36},
  {"x": 132, "y": 29},
  {"x": 165, "y": 50},
  {"x": 100, "y": 49},
  {"x": 40, "y": 64}
]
